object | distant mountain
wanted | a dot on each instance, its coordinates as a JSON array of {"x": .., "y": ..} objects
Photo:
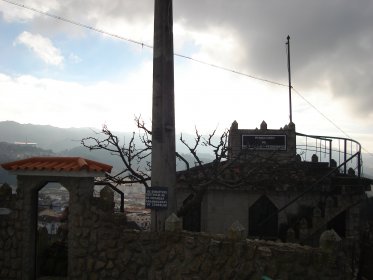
[
  {"x": 62, "y": 139},
  {"x": 56, "y": 141},
  {"x": 66, "y": 141},
  {"x": 45, "y": 136},
  {"x": 12, "y": 152}
]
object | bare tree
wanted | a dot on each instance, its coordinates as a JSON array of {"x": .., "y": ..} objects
[
  {"x": 130, "y": 153},
  {"x": 232, "y": 173}
]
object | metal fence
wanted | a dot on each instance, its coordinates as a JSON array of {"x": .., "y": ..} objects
[{"x": 342, "y": 152}]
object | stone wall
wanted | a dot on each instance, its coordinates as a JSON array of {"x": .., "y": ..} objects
[
  {"x": 101, "y": 247},
  {"x": 186, "y": 255},
  {"x": 10, "y": 234}
]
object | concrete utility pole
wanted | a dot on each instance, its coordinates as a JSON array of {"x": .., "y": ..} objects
[{"x": 163, "y": 126}]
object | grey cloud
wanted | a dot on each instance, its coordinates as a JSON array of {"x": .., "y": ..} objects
[{"x": 331, "y": 41}]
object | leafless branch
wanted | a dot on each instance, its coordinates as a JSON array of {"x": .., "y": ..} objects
[{"x": 230, "y": 173}]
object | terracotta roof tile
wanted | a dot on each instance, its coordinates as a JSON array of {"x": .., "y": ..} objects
[{"x": 57, "y": 164}]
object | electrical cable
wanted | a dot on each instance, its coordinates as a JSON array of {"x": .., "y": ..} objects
[
  {"x": 138, "y": 42},
  {"x": 175, "y": 54},
  {"x": 329, "y": 120}
]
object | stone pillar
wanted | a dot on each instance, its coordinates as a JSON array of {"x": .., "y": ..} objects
[
  {"x": 107, "y": 197},
  {"x": 234, "y": 147},
  {"x": 291, "y": 140},
  {"x": 81, "y": 192},
  {"x": 314, "y": 158},
  {"x": 236, "y": 231},
  {"x": 329, "y": 240},
  {"x": 173, "y": 223},
  {"x": 28, "y": 187}
]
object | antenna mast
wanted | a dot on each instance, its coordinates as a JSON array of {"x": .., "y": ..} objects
[{"x": 289, "y": 72}]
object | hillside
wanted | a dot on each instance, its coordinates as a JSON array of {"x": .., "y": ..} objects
[
  {"x": 11, "y": 152},
  {"x": 45, "y": 136},
  {"x": 65, "y": 142},
  {"x": 63, "y": 139}
]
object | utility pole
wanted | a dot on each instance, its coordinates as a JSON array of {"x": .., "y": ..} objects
[
  {"x": 163, "y": 115},
  {"x": 289, "y": 72}
]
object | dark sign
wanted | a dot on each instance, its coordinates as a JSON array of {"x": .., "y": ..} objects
[
  {"x": 264, "y": 142},
  {"x": 156, "y": 198}
]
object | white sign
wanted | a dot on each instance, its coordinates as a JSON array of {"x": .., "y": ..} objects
[{"x": 5, "y": 211}]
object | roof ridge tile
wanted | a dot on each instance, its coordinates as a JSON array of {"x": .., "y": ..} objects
[{"x": 68, "y": 164}]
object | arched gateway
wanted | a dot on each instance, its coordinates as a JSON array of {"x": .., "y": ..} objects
[{"x": 76, "y": 175}]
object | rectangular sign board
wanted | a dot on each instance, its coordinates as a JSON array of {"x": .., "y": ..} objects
[
  {"x": 156, "y": 198},
  {"x": 5, "y": 211},
  {"x": 264, "y": 142}
]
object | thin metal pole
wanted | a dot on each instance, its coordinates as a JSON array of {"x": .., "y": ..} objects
[{"x": 289, "y": 72}]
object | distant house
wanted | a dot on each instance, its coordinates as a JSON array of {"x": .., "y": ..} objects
[
  {"x": 49, "y": 219},
  {"x": 141, "y": 218},
  {"x": 280, "y": 184},
  {"x": 26, "y": 144}
]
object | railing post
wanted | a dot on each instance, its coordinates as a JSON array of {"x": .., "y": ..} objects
[
  {"x": 359, "y": 164},
  {"x": 330, "y": 151},
  {"x": 345, "y": 156}
]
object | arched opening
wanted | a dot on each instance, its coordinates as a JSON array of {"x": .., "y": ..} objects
[
  {"x": 192, "y": 219},
  {"x": 338, "y": 223},
  {"x": 52, "y": 230},
  {"x": 263, "y": 219}
]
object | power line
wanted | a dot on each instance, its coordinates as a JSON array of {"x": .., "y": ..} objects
[
  {"x": 78, "y": 24},
  {"x": 142, "y": 44},
  {"x": 321, "y": 113},
  {"x": 329, "y": 120},
  {"x": 231, "y": 70}
]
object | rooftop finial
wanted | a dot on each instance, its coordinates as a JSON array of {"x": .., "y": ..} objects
[
  {"x": 263, "y": 125},
  {"x": 234, "y": 125}
]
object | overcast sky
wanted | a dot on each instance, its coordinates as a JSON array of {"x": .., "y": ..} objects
[{"x": 57, "y": 73}]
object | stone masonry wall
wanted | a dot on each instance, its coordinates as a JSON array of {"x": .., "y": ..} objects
[
  {"x": 235, "y": 142},
  {"x": 186, "y": 255},
  {"x": 101, "y": 247},
  {"x": 110, "y": 251},
  {"x": 10, "y": 234}
]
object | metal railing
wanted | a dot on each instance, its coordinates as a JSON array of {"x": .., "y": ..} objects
[
  {"x": 329, "y": 148},
  {"x": 323, "y": 147}
]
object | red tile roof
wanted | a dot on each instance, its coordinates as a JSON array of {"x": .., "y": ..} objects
[{"x": 57, "y": 164}]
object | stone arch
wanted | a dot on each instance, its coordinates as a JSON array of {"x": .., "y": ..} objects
[
  {"x": 263, "y": 218},
  {"x": 80, "y": 192},
  {"x": 77, "y": 176},
  {"x": 52, "y": 231},
  {"x": 192, "y": 219},
  {"x": 339, "y": 224}
]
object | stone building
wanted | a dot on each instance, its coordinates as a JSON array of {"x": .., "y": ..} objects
[{"x": 280, "y": 184}]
